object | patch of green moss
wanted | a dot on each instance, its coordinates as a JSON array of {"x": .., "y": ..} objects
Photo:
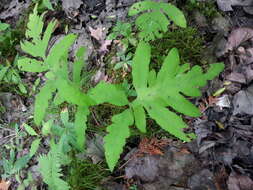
[
  {"x": 208, "y": 8},
  {"x": 100, "y": 117},
  {"x": 188, "y": 41},
  {"x": 84, "y": 175}
]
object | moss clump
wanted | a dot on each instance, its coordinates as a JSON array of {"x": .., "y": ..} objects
[
  {"x": 100, "y": 117},
  {"x": 188, "y": 41},
  {"x": 208, "y": 8},
  {"x": 84, "y": 175}
]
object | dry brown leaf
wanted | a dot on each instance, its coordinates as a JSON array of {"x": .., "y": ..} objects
[
  {"x": 236, "y": 77},
  {"x": 152, "y": 146},
  {"x": 210, "y": 101},
  {"x": 104, "y": 44},
  {"x": 99, "y": 34},
  {"x": 4, "y": 185},
  {"x": 247, "y": 57},
  {"x": 238, "y": 36},
  {"x": 226, "y": 5},
  {"x": 96, "y": 33},
  {"x": 239, "y": 182}
]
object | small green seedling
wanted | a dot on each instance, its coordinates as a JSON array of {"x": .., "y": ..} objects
[
  {"x": 123, "y": 32},
  {"x": 10, "y": 75},
  {"x": 125, "y": 61}
]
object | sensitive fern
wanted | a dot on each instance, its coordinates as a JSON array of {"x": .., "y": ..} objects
[
  {"x": 155, "y": 92},
  {"x": 58, "y": 85},
  {"x": 156, "y": 19}
]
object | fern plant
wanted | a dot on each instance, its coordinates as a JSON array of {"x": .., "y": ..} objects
[
  {"x": 50, "y": 169},
  {"x": 155, "y": 92},
  {"x": 63, "y": 139},
  {"x": 55, "y": 65},
  {"x": 156, "y": 18}
]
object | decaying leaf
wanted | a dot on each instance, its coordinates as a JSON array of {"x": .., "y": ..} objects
[
  {"x": 239, "y": 182},
  {"x": 100, "y": 35},
  {"x": 243, "y": 101},
  {"x": 238, "y": 36},
  {"x": 152, "y": 146},
  {"x": 4, "y": 185},
  {"x": 226, "y": 5},
  {"x": 97, "y": 33}
]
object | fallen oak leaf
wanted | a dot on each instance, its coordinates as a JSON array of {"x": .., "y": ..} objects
[
  {"x": 4, "y": 185},
  {"x": 152, "y": 146},
  {"x": 104, "y": 44},
  {"x": 237, "y": 37},
  {"x": 226, "y": 5},
  {"x": 97, "y": 33}
]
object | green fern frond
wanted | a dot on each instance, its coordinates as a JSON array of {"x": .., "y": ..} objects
[
  {"x": 50, "y": 169},
  {"x": 154, "y": 22},
  {"x": 172, "y": 80},
  {"x": 37, "y": 42},
  {"x": 56, "y": 63},
  {"x": 155, "y": 93}
]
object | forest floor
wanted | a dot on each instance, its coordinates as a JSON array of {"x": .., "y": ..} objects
[{"x": 221, "y": 156}]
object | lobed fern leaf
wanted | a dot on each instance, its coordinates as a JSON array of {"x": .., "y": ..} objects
[
  {"x": 167, "y": 88},
  {"x": 115, "y": 140},
  {"x": 37, "y": 43},
  {"x": 56, "y": 65},
  {"x": 155, "y": 93},
  {"x": 105, "y": 92},
  {"x": 154, "y": 21}
]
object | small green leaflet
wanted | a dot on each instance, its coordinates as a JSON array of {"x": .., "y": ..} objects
[
  {"x": 3, "y": 26},
  {"x": 41, "y": 101},
  {"x": 34, "y": 147},
  {"x": 30, "y": 130},
  {"x": 78, "y": 65},
  {"x": 80, "y": 126},
  {"x": 3, "y": 71},
  {"x": 46, "y": 128},
  {"x": 50, "y": 169},
  {"x": 48, "y": 4},
  {"x": 140, "y": 118}
]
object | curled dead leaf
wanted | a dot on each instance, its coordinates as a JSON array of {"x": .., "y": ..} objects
[
  {"x": 4, "y": 185},
  {"x": 238, "y": 36}
]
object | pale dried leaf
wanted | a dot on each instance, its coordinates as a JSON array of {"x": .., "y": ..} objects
[
  {"x": 97, "y": 33},
  {"x": 4, "y": 185},
  {"x": 104, "y": 45},
  {"x": 238, "y": 36},
  {"x": 226, "y": 5},
  {"x": 239, "y": 182}
]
